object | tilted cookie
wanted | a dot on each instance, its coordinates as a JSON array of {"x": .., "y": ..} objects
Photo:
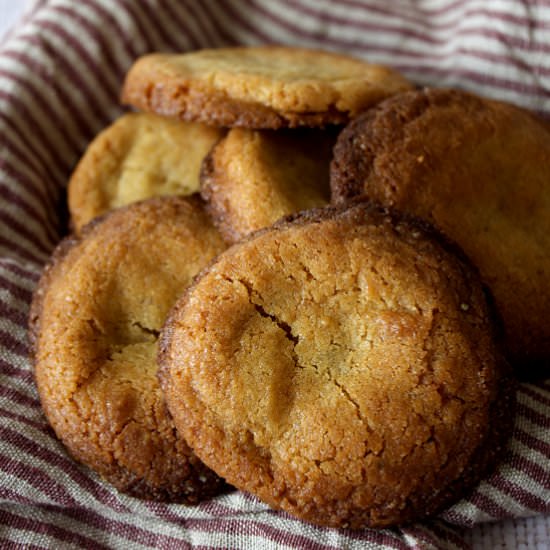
[
  {"x": 479, "y": 171},
  {"x": 139, "y": 156},
  {"x": 342, "y": 367},
  {"x": 258, "y": 87},
  {"x": 94, "y": 326},
  {"x": 251, "y": 178}
]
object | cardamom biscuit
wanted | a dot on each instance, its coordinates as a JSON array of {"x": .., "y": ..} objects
[
  {"x": 139, "y": 156},
  {"x": 94, "y": 327},
  {"x": 252, "y": 178},
  {"x": 258, "y": 87},
  {"x": 342, "y": 367},
  {"x": 478, "y": 170}
]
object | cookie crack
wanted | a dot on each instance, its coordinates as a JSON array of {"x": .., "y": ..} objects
[
  {"x": 348, "y": 397},
  {"x": 285, "y": 327},
  {"x": 147, "y": 330},
  {"x": 427, "y": 346}
]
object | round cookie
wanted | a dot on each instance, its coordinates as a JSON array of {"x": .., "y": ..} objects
[
  {"x": 252, "y": 178},
  {"x": 476, "y": 169},
  {"x": 139, "y": 156},
  {"x": 342, "y": 367},
  {"x": 258, "y": 87},
  {"x": 94, "y": 327}
]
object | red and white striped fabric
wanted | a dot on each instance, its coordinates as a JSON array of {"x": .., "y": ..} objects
[{"x": 60, "y": 75}]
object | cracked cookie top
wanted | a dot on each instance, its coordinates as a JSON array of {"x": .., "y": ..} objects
[
  {"x": 252, "y": 178},
  {"x": 341, "y": 366},
  {"x": 95, "y": 322},
  {"x": 258, "y": 87},
  {"x": 139, "y": 156}
]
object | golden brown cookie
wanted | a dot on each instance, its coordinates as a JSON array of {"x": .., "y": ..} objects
[
  {"x": 139, "y": 156},
  {"x": 258, "y": 87},
  {"x": 94, "y": 325},
  {"x": 478, "y": 170},
  {"x": 251, "y": 178},
  {"x": 341, "y": 367}
]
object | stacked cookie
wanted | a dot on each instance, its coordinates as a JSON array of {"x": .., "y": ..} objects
[
  {"x": 477, "y": 170},
  {"x": 94, "y": 326},
  {"x": 343, "y": 363}
]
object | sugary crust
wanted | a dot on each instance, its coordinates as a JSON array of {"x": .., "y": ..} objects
[
  {"x": 478, "y": 170},
  {"x": 258, "y": 87},
  {"x": 94, "y": 325},
  {"x": 342, "y": 366},
  {"x": 139, "y": 156},
  {"x": 252, "y": 178}
]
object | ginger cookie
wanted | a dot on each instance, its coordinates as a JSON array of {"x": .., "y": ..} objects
[
  {"x": 258, "y": 87},
  {"x": 252, "y": 178},
  {"x": 341, "y": 366},
  {"x": 476, "y": 169},
  {"x": 139, "y": 156},
  {"x": 94, "y": 326}
]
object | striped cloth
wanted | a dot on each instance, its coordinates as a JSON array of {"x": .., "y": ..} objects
[{"x": 60, "y": 76}]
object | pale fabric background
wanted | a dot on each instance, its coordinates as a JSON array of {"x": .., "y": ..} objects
[
  {"x": 522, "y": 533},
  {"x": 10, "y": 11}
]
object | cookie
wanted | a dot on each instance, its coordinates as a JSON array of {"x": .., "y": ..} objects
[
  {"x": 139, "y": 156},
  {"x": 478, "y": 170},
  {"x": 251, "y": 178},
  {"x": 258, "y": 87},
  {"x": 341, "y": 366},
  {"x": 94, "y": 326}
]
